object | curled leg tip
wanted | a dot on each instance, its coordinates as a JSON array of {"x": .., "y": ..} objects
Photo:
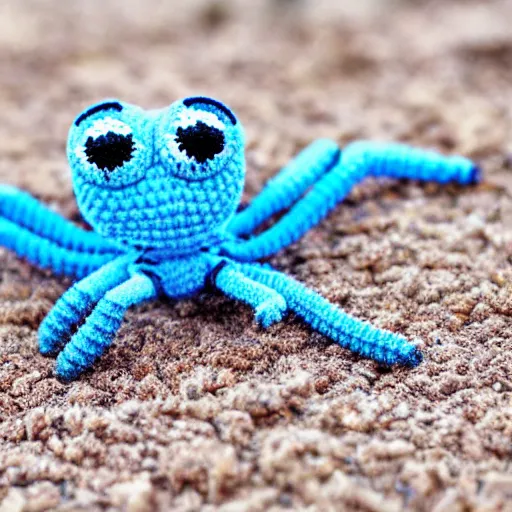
[
  {"x": 475, "y": 175},
  {"x": 50, "y": 339},
  {"x": 66, "y": 371},
  {"x": 414, "y": 358},
  {"x": 48, "y": 346},
  {"x": 47, "y": 350},
  {"x": 270, "y": 312},
  {"x": 408, "y": 355}
]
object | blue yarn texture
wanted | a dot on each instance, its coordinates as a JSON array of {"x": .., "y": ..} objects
[{"x": 160, "y": 189}]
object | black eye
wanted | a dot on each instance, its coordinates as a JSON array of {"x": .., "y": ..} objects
[
  {"x": 200, "y": 141},
  {"x": 109, "y": 151}
]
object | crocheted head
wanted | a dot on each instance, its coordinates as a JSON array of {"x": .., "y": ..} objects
[{"x": 168, "y": 178}]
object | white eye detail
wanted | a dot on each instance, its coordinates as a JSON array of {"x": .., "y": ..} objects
[
  {"x": 111, "y": 137},
  {"x": 190, "y": 117},
  {"x": 105, "y": 125}
]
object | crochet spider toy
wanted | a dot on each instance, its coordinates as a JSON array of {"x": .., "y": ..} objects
[{"x": 160, "y": 190}]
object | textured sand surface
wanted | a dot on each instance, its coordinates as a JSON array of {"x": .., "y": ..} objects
[{"x": 194, "y": 407}]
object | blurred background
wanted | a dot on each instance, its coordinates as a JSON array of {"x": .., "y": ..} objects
[
  {"x": 293, "y": 70},
  {"x": 194, "y": 406}
]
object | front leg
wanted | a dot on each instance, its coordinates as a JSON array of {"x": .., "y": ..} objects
[
  {"x": 97, "y": 333},
  {"x": 269, "y": 305},
  {"x": 77, "y": 302},
  {"x": 358, "y": 161},
  {"x": 358, "y": 336}
]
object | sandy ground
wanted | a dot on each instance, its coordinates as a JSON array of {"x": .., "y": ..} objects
[{"x": 194, "y": 407}]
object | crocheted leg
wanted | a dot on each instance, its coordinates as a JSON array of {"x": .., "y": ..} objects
[
  {"x": 101, "y": 326},
  {"x": 359, "y": 336},
  {"x": 358, "y": 160},
  {"x": 288, "y": 185},
  {"x": 77, "y": 302},
  {"x": 27, "y": 212},
  {"x": 47, "y": 254},
  {"x": 269, "y": 305}
]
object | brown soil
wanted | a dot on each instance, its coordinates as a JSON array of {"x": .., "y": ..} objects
[{"x": 196, "y": 408}]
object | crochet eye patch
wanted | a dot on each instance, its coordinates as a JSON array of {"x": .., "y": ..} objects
[
  {"x": 200, "y": 141},
  {"x": 109, "y": 151}
]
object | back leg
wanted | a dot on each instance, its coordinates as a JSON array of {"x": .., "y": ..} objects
[
  {"x": 76, "y": 302},
  {"x": 288, "y": 186},
  {"x": 27, "y": 212},
  {"x": 101, "y": 326},
  {"x": 47, "y": 254},
  {"x": 358, "y": 161},
  {"x": 358, "y": 336}
]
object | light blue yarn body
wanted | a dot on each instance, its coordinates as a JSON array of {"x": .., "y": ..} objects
[{"x": 160, "y": 190}]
